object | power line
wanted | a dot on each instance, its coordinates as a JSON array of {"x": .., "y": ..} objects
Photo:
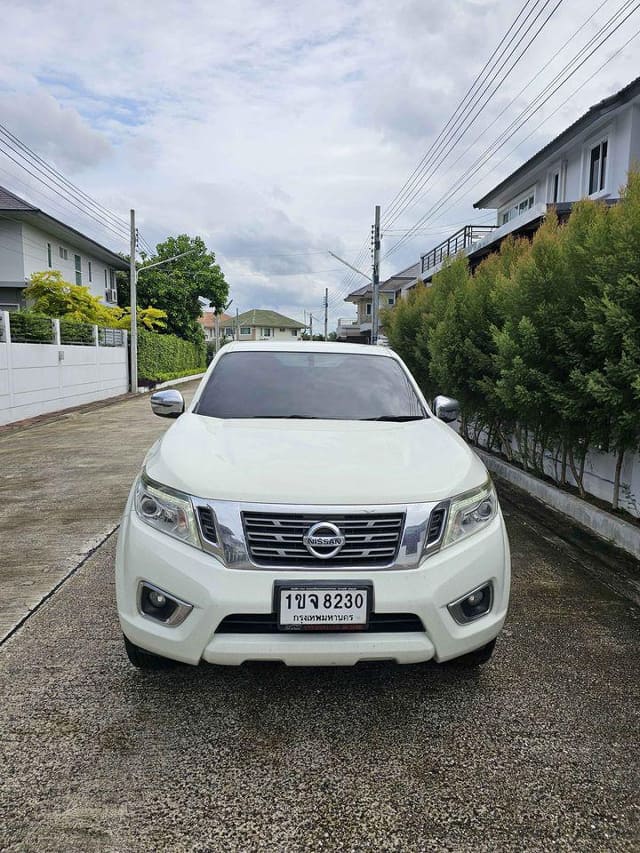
[
  {"x": 36, "y": 159},
  {"x": 557, "y": 109},
  {"x": 65, "y": 189},
  {"x": 448, "y": 144},
  {"x": 524, "y": 88},
  {"x": 522, "y": 118},
  {"x": 462, "y": 111}
]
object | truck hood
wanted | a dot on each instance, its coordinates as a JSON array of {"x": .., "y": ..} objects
[{"x": 314, "y": 462}]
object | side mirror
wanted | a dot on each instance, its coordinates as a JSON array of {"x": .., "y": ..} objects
[
  {"x": 167, "y": 404},
  {"x": 446, "y": 408}
]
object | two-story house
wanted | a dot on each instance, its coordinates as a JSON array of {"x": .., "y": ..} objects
[
  {"x": 263, "y": 325},
  {"x": 358, "y": 331},
  {"x": 32, "y": 241},
  {"x": 591, "y": 159}
]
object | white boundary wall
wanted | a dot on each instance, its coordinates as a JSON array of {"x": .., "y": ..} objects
[
  {"x": 40, "y": 378},
  {"x": 599, "y": 473}
]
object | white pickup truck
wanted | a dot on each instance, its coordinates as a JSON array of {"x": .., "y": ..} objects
[{"x": 310, "y": 508}]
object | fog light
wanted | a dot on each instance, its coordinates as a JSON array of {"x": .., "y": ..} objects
[
  {"x": 473, "y": 605},
  {"x": 157, "y": 598},
  {"x": 160, "y": 605}
]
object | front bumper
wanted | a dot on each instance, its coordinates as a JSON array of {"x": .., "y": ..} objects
[{"x": 144, "y": 554}]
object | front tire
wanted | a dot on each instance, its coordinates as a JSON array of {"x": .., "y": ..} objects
[{"x": 143, "y": 659}]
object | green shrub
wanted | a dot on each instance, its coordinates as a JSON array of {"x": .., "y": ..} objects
[
  {"x": 76, "y": 333},
  {"x": 29, "y": 327},
  {"x": 163, "y": 357}
]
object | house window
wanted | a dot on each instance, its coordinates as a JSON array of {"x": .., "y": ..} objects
[
  {"x": 294, "y": 332},
  {"x": 390, "y": 300},
  {"x": 368, "y": 309},
  {"x": 598, "y": 167},
  {"x": 228, "y": 332},
  {"x": 245, "y": 330},
  {"x": 49, "y": 261},
  {"x": 90, "y": 271},
  {"x": 282, "y": 330},
  {"x": 266, "y": 333},
  {"x": 77, "y": 260},
  {"x": 519, "y": 207},
  {"x": 554, "y": 187},
  {"x": 63, "y": 253}
]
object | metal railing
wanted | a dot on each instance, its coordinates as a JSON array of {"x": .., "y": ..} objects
[
  {"x": 110, "y": 337},
  {"x": 23, "y": 327},
  {"x": 462, "y": 239}
]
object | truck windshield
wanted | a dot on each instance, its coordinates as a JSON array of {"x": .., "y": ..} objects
[{"x": 284, "y": 384}]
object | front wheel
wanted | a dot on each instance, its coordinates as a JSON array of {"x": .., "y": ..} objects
[
  {"x": 477, "y": 657},
  {"x": 143, "y": 659}
]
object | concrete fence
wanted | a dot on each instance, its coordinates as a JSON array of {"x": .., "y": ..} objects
[
  {"x": 599, "y": 473},
  {"x": 40, "y": 377}
]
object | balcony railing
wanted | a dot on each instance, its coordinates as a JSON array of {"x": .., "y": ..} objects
[{"x": 462, "y": 239}]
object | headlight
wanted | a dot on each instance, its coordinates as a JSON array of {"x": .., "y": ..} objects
[
  {"x": 470, "y": 512},
  {"x": 168, "y": 511}
]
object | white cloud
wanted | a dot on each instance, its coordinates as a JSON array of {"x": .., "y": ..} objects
[{"x": 273, "y": 128}]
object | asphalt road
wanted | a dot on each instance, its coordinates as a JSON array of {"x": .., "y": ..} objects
[{"x": 537, "y": 753}]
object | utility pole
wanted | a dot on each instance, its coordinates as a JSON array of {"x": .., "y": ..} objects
[
  {"x": 133, "y": 299},
  {"x": 310, "y": 327},
  {"x": 326, "y": 310},
  {"x": 237, "y": 325},
  {"x": 376, "y": 277}
]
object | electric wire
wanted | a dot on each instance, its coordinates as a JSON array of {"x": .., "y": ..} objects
[
  {"x": 469, "y": 115},
  {"x": 519, "y": 122},
  {"x": 556, "y": 110},
  {"x": 623, "y": 8},
  {"x": 390, "y": 206}
]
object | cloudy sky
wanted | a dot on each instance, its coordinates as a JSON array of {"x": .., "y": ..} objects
[{"x": 273, "y": 127}]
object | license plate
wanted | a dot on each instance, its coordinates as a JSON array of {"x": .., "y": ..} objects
[{"x": 316, "y": 607}]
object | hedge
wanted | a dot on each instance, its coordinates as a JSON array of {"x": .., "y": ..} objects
[
  {"x": 163, "y": 356},
  {"x": 72, "y": 332},
  {"x": 28, "y": 327}
]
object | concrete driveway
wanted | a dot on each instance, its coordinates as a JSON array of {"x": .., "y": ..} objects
[
  {"x": 537, "y": 753},
  {"x": 63, "y": 486}
]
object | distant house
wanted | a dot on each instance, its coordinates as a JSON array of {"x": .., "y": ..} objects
[
  {"x": 32, "y": 241},
  {"x": 208, "y": 322},
  {"x": 262, "y": 325},
  {"x": 359, "y": 330},
  {"x": 590, "y": 159}
]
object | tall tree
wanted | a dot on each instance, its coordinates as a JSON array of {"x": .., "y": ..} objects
[{"x": 175, "y": 287}]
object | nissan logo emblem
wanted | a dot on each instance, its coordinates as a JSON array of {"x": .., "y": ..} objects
[{"x": 323, "y": 540}]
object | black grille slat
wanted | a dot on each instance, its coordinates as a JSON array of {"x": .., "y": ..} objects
[
  {"x": 267, "y": 623},
  {"x": 276, "y": 539},
  {"x": 436, "y": 522},
  {"x": 207, "y": 523}
]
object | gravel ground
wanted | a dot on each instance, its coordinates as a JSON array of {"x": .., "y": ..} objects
[{"x": 539, "y": 752}]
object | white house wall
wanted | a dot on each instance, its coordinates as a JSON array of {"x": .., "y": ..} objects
[
  {"x": 11, "y": 259},
  {"x": 622, "y": 130},
  {"x": 36, "y": 260}
]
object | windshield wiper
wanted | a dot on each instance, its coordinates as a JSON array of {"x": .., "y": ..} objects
[
  {"x": 396, "y": 418},
  {"x": 287, "y": 417}
]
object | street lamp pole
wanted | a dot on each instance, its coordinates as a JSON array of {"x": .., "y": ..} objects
[
  {"x": 133, "y": 301},
  {"x": 133, "y": 298}
]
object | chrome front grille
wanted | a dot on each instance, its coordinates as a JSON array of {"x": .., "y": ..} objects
[{"x": 275, "y": 539}]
